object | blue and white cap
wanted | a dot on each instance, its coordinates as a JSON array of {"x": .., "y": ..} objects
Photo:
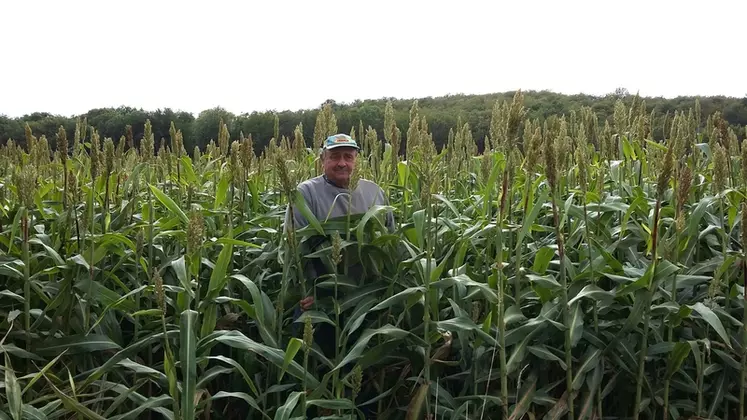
[{"x": 340, "y": 140}]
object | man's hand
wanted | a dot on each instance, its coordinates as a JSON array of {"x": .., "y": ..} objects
[{"x": 306, "y": 303}]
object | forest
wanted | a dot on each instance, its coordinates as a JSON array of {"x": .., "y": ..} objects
[{"x": 442, "y": 113}]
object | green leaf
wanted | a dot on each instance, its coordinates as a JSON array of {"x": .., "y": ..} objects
[
  {"x": 32, "y": 413},
  {"x": 18, "y": 352},
  {"x": 290, "y": 352},
  {"x": 218, "y": 277},
  {"x": 261, "y": 314},
  {"x": 180, "y": 268},
  {"x": 525, "y": 398},
  {"x": 707, "y": 314},
  {"x": 544, "y": 353},
  {"x": 300, "y": 203},
  {"x": 72, "y": 404},
  {"x": 150, "y": 403},
  {"x": 400, "y": 297},
  {"x": 167, "y": 202},
  {"x": 462, "y": 323},
  {"x": 464, "y": 280},
  {"x": 577, "y": 325},
  {"x": 592, "y": 292},
  {"x": 221, "y": 192},
  {"x": 238, "y": 340},
  {"x": 240, "y": 395},
  {"x": 188, "y": 172},
  {"x": 236, "y": 365},
  {"x": 676, "y": 357},
  {"x": 542, "y": 260},
  {"x": 316, "y": 317},
  {"x": 285, "y": 411},
  {"x": 12, "y": 390},
  {"x": 357, "y": 350},
  {"x": 532, "y": 216},
  {"x": 374, "y": 212},
  {"x": 590, "y": 362},
  {"x": 337, "y": 404},
  {"x": 76, "y": 344},
  {"x": 519, "y": 352}
]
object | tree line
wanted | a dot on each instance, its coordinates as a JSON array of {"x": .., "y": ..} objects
[{"x": 442, "y": 113}]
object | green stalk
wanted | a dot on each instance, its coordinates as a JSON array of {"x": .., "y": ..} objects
[
  {"x": 727, "y": 297},
  {"x": 647, "y": 315},
  {"x": 26, "y": 278},
  {"x": 497, "y": 312},
  {"x": 427, "y": 312},
  {"x": 744, "y": 312},
  {"x": 91, "y": 224},
  {"x": 519, "y": 247},
  {"x": 595, "y": 308},
  {"x": 150, "y": 265},
  {"x": 336, "y": 377},
  {"x": 670, "y": 329},
  {"x": 564, "y": 303},
  {"x": 106, "y": 205},
  {"x": 501, "y": 297},
  {"x": 744, "y": 334}
]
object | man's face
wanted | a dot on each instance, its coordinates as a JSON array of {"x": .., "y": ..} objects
[{"x": 339, "y": 164}]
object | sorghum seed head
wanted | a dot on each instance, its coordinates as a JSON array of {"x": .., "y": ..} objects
[
  {"x": 357, "y": 379},
  {"x": 160, "y": 294},
  {"x": 308, "y": 333},
  {"x": 25, "y": 181},
  {"x": 336, "y": 248},
  {"x": 72, "y": 184},
  {"x": 108, "y": 155},
  {"x": 719, "y": 167},
  {"x": 62, "y": 144},
  {"x": 139, "y": 242},
  {"x": 283, "y": 174},
  {"x": 195, "y": 231},
  {"x": 549, "y": 154},
  {"x": 666, "y": 173},
  {"x": 683, "y": 186},
  {"x": 355, "y": 176}
]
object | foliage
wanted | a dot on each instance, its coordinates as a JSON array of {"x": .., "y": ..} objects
[
  {"x": 443, "y": 113},
  {"x": 596, "y": 272}
]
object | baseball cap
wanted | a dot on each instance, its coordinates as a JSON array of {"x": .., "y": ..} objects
[{"x": 340, "y": 140}]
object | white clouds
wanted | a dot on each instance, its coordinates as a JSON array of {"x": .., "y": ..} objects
[{"x": 68, "y": 57}]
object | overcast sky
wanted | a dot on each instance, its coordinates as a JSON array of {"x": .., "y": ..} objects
[{"x": 67, "y": 57}]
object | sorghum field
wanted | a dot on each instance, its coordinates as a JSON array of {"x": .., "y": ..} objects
[{"x": 574, "y": 269}]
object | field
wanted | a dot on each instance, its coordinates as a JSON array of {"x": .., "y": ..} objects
[{"x": 574, "y": 268}]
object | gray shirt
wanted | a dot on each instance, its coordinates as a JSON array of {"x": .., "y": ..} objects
[{"x": 327, "y": 201}]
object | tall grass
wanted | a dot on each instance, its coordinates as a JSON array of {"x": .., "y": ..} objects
[{"x": 560, "y": 268}]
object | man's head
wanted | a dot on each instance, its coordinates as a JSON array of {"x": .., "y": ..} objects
[{"x": 338, "y": 158}]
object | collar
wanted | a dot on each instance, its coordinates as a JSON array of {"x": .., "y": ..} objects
[{"x": 330, "y": 182}]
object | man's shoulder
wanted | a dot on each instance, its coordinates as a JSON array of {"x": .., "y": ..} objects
[
  {"x": 311, "y": 183},
  {"x": 367, "y": 184}
]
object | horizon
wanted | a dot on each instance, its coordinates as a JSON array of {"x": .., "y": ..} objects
[
  {"x": 84, "y": 55},
  {"x": 349, "y": 103}
]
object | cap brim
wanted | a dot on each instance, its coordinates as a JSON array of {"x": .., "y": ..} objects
[{"x": 338, "y": 145}]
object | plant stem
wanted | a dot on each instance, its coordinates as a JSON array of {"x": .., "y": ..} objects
[
  {"x": 564, "y": 303},
  {"x": 26, "y": 278},
  {"x": 647, "y": 313},
  {"x": 744, "y": 339}
]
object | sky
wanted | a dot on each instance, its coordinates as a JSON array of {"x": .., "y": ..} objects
[{"x": 66, "y": 57}]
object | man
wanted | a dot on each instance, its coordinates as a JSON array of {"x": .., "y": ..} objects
[{"x": 327, "y": 195}]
